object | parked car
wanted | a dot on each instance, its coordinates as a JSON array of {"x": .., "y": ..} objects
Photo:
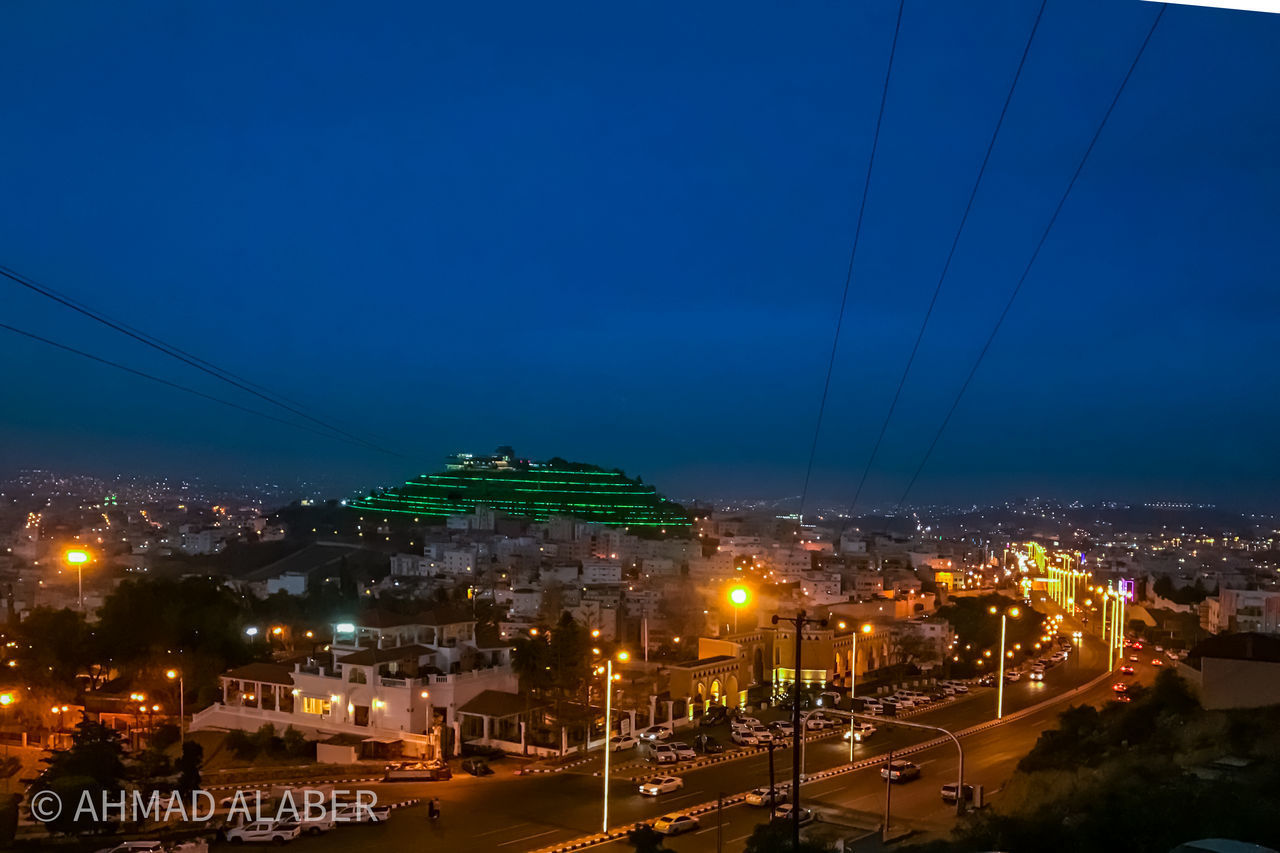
[
  {"x": 900, "y": 771},
  {"x": 949, "y": 793},
  {"x": 762, "y": 734},
  {"x": 477, "y": 767},
  {"x": 135, "y": 847},
  {"x": 744, "y": 737},
  {"x": 829, "y": 700},
  {"x": 663, "y": 754},
  {"x": 760, "y": 796},
  {"x": 684, "y": 752},
  {"x": 817, "y": 722},
  {"x": 714, "y": 715},
  {"x": 860, "y": 732},
  {"x": 958, "y": 686},
  {"x": 417, "y": 771},
  {"x": 263, "y": 832},
  {"x": 364, "y": 813},
  {"x": 707, "y": 745},
  {"x": 783, "y": 727},
  {"x": 675, "y": 824},
  {"x": 749, "y": 722},
  {"x": 782, "y": 814},
  {"x": 617, "y": 743},
  {"x": 661, "y": 785},
  {"x": 655, "y": 733}
]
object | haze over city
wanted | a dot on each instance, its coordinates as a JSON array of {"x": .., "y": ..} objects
[{"x": 600, "y": 236}]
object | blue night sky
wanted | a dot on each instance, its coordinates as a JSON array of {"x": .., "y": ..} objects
[{"x": 619, "y": 234}]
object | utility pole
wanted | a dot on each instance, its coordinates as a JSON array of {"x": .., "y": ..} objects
[
  {"x": 799, "y": 621},
  {"x": 888, "y": 795},
  {"x": 773, "y": 804}
]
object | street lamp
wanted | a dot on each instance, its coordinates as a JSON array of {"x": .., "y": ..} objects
[
  {"x": 182, "y": 701},
  {"x": 622, "y": 657},
  {"x": 853, "y": 659},
  {"x": 1012, "y": 611},
  {"x": 78, "y": 558},
  {"x": 739, "y": 597},
  {"x": 7, "y": 699}
]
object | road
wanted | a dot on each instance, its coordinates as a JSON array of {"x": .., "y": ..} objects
[{"x": 509, "y": 813}]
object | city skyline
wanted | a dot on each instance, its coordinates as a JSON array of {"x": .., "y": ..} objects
[{"x": 466, "y": 239}]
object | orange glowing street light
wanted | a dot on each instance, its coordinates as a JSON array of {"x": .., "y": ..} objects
[
  {"x": 78, "y": 558},
  {"x": 739, "y": 597}
]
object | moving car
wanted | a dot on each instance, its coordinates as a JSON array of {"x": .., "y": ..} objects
[
  {"x": 617, "y": 743},
  {"x": 655, "y": 733},
  {"x": 1157, "y": 662},
  {"x": 417, "y": 771},
  {"x": 263, "y": 832},
  {"x": 1012, "y": 675},
  {"x": 760, "y": 796},
  {"x": 783, "y": 814},
  {"x": 860, "y": 732},
  {"x": 1126, "y": 669},
  {"x": 675, "y": 824},
  {"x": 1120, "y": 687},
  {"x": 1037, "y": 675},
  {"x": 684, "y": 752},
  {"x": 1133, "y": 658},
  {"x": 949, "y": 793},
  {"x": 900, "y": 771},
  {"x": 661, "y": 785}
]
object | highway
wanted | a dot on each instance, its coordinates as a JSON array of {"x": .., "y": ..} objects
[{"x": 512, "y": 813}]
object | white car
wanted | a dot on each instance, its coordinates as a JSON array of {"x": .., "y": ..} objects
[
  {"x": 617, "y": 743},
  {"x": 663, "y": 754},
  {"x": 817, "y": 722},
  {"x": 744, "y": 737},
  {"x": 364, "y": 813},
  {"x": 783, "y": 727},
  {"x": 1037, "y": 675},
  {"x": 748, "y": 721},
  {"x": 872, "y": 706},
  {"x": 135, "y": 847},
  {"x": 655, "y": 733},
  {"x": 661, "y": 785},
  {"x": 760, "y": 796},
  {"x": 958, "y": 686},
  {"x": 675, "y": 824},
  {"x": 684, "y": 752},
  {"x": 902, "y": 701},
  {"x": 762, "y": 734},
  {"x": 860, "y": 732},
  {"x": 264, "y": 832},
  {"x": 783, "y": 814}
]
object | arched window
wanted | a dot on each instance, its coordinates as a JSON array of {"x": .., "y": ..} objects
[{"x": 715, "y": 691}]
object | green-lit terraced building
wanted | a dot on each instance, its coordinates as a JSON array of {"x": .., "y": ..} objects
[{"x": 527, "y": 489}]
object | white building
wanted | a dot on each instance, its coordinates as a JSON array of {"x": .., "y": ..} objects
[
  {"x": 595, "y": 572},
  {"x": 391, "y": 679}
]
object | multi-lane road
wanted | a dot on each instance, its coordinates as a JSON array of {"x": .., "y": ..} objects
[{"x": 517, "y": 813}]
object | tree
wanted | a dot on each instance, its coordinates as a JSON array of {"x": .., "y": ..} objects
[
  {"x": 776, "y": 837},
  {"x": 188, "y": 766},
  {"x": 92, "y": 766}
]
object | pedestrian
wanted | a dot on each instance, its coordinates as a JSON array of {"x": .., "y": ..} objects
[{"x": 434, "y": 808}]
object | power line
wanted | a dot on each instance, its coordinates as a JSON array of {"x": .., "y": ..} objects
[
  {"x": 186, "y": 358},
  {"x": 165, "y": 382},
  {"x": 1035, "y": 254},
  {"x": 946, "y": 267},
  {"x": 853, "y": 251}
]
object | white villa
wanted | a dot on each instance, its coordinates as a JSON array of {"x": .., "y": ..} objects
[{"x": 386, "y": 678}]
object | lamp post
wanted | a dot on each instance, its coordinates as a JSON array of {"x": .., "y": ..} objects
[
  {"x": 623, "y": 657},
  {"x": 800, "y": 620},
  {"x": 6, "y": 700},
  {"x": 739, "y": 597},
  {"x": 78, "y": 558},
  {"x": 1004, "y": 614},
  {"x": 853, "y": 661},
  {"x": 182, "y": 702}
]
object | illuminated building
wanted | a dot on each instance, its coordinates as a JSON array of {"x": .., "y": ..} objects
[{"x": 527, "y": 489}]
